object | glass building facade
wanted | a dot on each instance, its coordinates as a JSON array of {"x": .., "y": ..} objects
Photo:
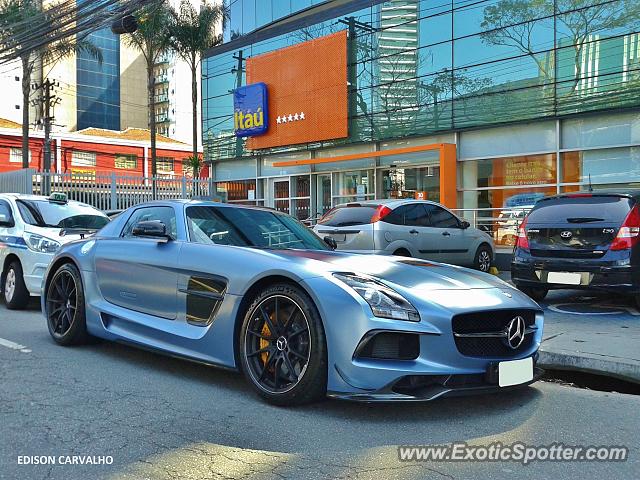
[
  {"x": 98, "y": 84},
  {"x": 539, "y": 97}
]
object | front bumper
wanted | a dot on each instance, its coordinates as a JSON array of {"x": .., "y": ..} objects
[
  {"x": 423, "y": 388},
  {"x": 34, "y": 266}
]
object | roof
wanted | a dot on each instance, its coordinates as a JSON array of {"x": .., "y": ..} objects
[
  {"x": 135, "y": 134},
  {"x": 4, "y": 123}
]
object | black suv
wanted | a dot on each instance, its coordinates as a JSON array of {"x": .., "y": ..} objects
[{"x": 580, "y": 240}]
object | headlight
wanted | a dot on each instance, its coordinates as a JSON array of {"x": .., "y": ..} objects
[
  {"x": 41, "y": 244},
  {"x": 384, "y": 301}
]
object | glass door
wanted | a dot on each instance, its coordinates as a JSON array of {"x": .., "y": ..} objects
[{"x": 278, "y": 195}]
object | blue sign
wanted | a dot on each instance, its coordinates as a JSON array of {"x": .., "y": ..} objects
[{"x": 250, "y": 110}]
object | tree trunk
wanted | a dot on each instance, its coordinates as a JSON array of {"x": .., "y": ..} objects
[
  {"x": 152, "y": 122},
  {"x": 194, "y": 104},
  {"x": 26, "y": 91}
]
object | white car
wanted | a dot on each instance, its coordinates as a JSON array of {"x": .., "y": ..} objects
[{"x": 32, "y": 228}]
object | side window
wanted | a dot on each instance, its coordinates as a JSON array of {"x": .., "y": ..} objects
[
  {"x": 6, "y": 216},
  {"x": 440, "y": 218},
  {"x": 416, "y": 216},
  {"x": 165, "y": 215},
  {"x": 396, "y": 217}
]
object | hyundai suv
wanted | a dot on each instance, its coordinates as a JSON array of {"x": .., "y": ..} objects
[{"x": 580, "y": 240}]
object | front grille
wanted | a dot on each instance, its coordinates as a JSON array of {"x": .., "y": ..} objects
[
  {"x": 536, "y": 252},
  {"x": 494, "y": 321},
  {"x": 389, "y": 346}
]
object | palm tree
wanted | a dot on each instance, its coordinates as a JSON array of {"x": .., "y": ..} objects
[
  {"x": 18, "y": 18},
  {"x": 152, "y": 40},
  {"x": 192, "y": 33}
]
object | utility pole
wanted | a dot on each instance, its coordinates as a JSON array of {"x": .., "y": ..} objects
[
  {"x": 48, "y": 102},
  {"x": 238, "y": 71}
]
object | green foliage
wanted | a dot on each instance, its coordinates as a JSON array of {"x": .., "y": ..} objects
[
  {"x": 152, "y": 38},
  {"x": 193, "y": 32}
]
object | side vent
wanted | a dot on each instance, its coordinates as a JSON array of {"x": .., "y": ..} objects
[{"x": 204, "y": 296}]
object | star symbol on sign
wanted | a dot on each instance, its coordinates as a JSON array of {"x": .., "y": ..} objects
[
  {"x": 278, "y": 120},
  {"x": 296, "y": 117},
  {"x": 301, "y": 115},
  {"x": 284, "y": 119},
  {"x": 290, "y": 118}
]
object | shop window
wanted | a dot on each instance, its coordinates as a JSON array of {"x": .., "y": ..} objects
[
  {"x": 15, "y": 155},
  {"x": 83, "y": 159},
  {"x": 353, "y": 185},
  {"x": 510, "y": 171},
  {"x": 615, "y": 165},
  {"x": 419, "y": 183},
  {"x": 165, "y": 165},
  {"x": 237, "y": 191},
  {"x": 126, "y": 162}
]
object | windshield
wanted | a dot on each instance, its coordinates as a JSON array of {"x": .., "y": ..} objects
[
  {"x": 246, "y": 227},
  {"x": 581, "y": 209},
  {"x": 43, "y": 213}
]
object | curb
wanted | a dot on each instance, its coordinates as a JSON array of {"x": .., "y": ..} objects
[{"x": 589, "y": 363}]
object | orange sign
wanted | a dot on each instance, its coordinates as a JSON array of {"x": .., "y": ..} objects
[{"x": 307, "y": 85}]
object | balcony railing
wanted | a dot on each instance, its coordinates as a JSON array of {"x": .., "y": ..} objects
[
  {"x": 162, "y": 98},
  {"x": 161, "y": 79}
]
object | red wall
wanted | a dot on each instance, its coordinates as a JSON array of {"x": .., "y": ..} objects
[
  {"x": 15, "y": 141},
  {"x": 105, "y": 159}
]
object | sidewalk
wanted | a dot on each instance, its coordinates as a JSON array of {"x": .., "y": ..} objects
[{"x": 591, "y": 332}]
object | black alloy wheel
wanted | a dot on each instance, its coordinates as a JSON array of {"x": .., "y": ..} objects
[
  {"x": 65, "y": 306},
  {"x": 278, "y": 347}
]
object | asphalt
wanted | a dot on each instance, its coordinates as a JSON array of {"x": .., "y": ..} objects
[{"x": 163, "y": 418}]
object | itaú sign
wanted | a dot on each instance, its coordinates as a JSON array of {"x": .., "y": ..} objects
[{"x": 250, "y": 110}]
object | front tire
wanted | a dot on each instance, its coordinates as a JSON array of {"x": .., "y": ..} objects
[
  {"x": 282, "y": 347},
  {"x": 16, "y": 295},
  {"x": 65, "y": 307},
  {"x": 483, "y": 259}
]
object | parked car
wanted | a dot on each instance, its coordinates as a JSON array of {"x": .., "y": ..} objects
[
  {"x": 507, "y": 225},
  {"x": 409, "y": 228},
  {"x": 253, "y": 289},
  {"x": 585, "y": 240},
  {"x": 32, "y": 228}
]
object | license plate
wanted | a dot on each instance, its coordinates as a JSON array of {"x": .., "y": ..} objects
[
  {"x": 515, "y": 372},
  {"x": 565, "y": 278}
]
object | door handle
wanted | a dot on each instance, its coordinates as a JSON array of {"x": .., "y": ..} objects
[
  {"x": 414, "y": 232},
  {"x": 446, "y": 234}
]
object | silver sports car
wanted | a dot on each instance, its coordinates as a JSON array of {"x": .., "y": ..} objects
[{"x": 252, "y": 289}]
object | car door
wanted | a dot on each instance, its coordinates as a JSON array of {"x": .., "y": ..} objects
[
  {"x": 450, "y": 239},
  {"x": 141, "y": 274},
  {"x": 8, "y": 231}
]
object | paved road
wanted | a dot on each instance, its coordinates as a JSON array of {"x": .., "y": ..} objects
[{"x": 164, "y": 418}]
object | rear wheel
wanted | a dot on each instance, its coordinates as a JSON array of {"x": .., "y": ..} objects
[
  {"x": 16, "y": 295},
  {"x": 65, "y": 307},
  {"x": 483, "y": 259},
  {"x": 283, "y": 347},
  {"x": 535, "y": 293}
]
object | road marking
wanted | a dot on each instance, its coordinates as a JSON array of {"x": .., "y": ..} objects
[{"x": 14, "y": 346}]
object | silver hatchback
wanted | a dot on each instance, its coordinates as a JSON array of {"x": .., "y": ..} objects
[{"x": 410, "y": 228}]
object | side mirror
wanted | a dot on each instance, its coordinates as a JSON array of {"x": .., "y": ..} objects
[
  {"x": 333, "y": 245},
  {"x": 6, "y": 221},
  {"x": 464, "y": 224},
  {"x": 151, "y": 229}
]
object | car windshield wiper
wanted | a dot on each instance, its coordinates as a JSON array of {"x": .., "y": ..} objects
[{"x": 584, "y": 219}]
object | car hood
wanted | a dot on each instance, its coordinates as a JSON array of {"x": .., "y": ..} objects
[{"x": 409, "y": 273}]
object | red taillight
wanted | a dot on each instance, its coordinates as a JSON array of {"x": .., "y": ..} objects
[
  {"x": 629, "y": 233},
  {"x": 381, "y": 212},
  {"x": 522, "y": 241}
]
